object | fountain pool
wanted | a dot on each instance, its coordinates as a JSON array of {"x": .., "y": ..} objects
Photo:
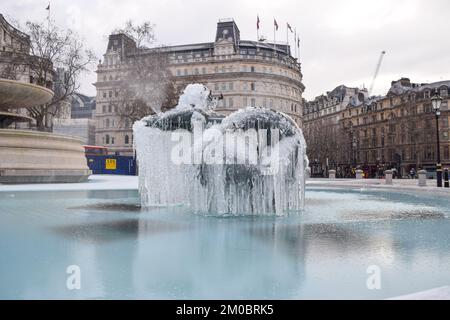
[{"x": 167, "y": 252}]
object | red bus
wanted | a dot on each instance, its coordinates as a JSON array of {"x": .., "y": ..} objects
[{"x": 95, "y": 151}]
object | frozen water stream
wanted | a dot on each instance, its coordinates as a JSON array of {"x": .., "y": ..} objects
[{"x": 251, "y": 162}]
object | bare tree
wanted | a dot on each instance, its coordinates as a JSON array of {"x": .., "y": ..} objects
[
  {"x": 53, "y": 48},
  {"x": 147, "y": 85}
]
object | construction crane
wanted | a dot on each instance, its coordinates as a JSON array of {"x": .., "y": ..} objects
[{"x": 377, "y": 70}]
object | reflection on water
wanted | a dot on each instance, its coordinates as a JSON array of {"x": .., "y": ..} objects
[
  {"x": 167, "y": 253},
  {"x": 110, "y": 207},
  {"x": 114, "y": 230}
]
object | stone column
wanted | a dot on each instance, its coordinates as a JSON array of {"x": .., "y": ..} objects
[
  {"x": 422, "y": 178},
  {"x": 359, "y": 174},
  {"x": 332, "y": 174},
  {"x": 388, "y": 175}
]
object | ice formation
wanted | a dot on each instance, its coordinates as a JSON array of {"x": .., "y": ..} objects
[{"x": 251, "y": 162}]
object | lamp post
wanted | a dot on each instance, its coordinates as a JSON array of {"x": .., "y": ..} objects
[{"x": 436, "y": 101}]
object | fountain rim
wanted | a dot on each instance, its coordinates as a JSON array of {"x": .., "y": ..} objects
[{"x": 29, "y": 90}]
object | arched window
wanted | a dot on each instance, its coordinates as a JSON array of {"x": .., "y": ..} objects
[
  {"x": 127, "y": 139},
  {"x": 107, "y": 139}
]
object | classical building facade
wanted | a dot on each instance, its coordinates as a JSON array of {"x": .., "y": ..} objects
[
  {"x": 14, "y": 53},
  {"x": 15, "y": 60},
  {"x": 245, "y": 73},
  {"x": 395, "y": 131},
  {"x": 321, "y": 126}
]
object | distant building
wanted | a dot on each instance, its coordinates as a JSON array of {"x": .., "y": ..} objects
[
  {"x": 80, "y": 123},
  {"x": 321, "y": 126},
  {"x": 82, "y": 106},
  {"x": 396, "y": 131},
  {"x": 245, "y": 73}
]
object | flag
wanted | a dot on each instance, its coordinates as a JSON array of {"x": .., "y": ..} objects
[
  {"x": 298, "y": 42},
  {"x": 275, "y": 24},
  {"x": 257, "y": 22},
  {"x": 48, "y": 7},
  {"x": 289, "y": 27}
]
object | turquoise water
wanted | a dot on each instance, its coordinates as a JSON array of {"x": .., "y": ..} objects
[{"x": 168, "y": 253}]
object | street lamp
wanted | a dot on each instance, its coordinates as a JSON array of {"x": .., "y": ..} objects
[{"x": 436, "y": 101}]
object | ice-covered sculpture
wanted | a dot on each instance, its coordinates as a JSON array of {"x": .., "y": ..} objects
[{"x": 251, "y": 162}]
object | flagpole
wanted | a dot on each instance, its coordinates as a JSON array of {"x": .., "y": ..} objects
[
  {"x": 274, "y": 37},
  {"x": 257, "y": 28},
  {"x": 48, "y": 16},
  {"x": 287, "y": 35},
  {"x": 295, "y": 40}
]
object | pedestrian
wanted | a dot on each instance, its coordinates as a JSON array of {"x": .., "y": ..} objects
[{"x": 412, "y": 173}]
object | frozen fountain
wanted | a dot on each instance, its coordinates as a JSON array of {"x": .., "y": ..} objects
[{"x": 251, "y": 162}]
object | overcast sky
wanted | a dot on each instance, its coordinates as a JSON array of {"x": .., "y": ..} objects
[{"x": 340, "y": 40}]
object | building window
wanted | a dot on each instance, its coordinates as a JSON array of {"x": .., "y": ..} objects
[
  {"x": 104, "y": 109},
  {"x": 444, "y": 93},
  {"x": 230, "y": 86},
  {"x": 127, "y": 139},
  {"x": 107, "y": 139},
  {"x": 230, "y": 102},
  {"x": 112, "y": 140},
  {"x": 107, "y": 123},
  {"x": 253, "y": 102},
  {"x": 104, "y": 94},
  {"x": 110, "y": 108},
  {"x": 252, "y": 69},
  {"x": 245, "y": 101},
  {"x": 204, "y": 70},
  {"x": 216, "y": 86},
  {"x": 110, "y": 94},
  {"x": 178, "y": 72},
  {"x": 252, "y": 86}
]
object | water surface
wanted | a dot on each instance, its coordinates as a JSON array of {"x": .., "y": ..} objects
[{"x": 124, "y": 252}]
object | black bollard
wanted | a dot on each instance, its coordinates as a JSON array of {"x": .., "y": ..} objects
[{"x": 446, "y": 182}]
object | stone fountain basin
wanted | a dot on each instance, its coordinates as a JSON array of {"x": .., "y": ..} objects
[
  {"x": 17, "y": 94},
  {"x": 41, "y": 157}
]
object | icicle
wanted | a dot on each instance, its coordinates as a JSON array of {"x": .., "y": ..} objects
[{"x": 252, "y": 162}]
